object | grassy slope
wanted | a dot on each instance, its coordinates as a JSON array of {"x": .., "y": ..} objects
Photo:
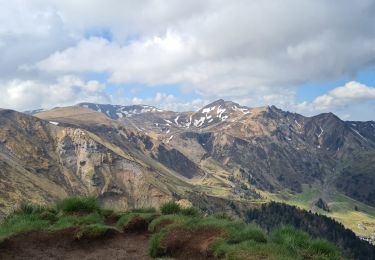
[
  {"x": 341, "y": 206},
  {"x": 232, "y": 240}
]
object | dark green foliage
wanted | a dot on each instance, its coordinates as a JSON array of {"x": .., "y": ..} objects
[
  {"x": 95, "y": 231},
  {"x": 232, "y": 239},
  {"x": 170, "y": 208},
  {"x": 323, "y": 247},
  {"x": 28, "y": 209},
  {"x": 107, "y": 212},
  {"x": 290, "y": 238},
  {"x": 156, "y": 250},
  {"x": 189, "y": 212},
  {"x": 238, "y": 240},
  {"x": 272, "y": 215},
  {"x": 124, "y": 220},
  {"x": 322, "y": 205},
  {"x": 247, "y": 233},
  {"x": 78, "y": 205},
  {"x": 49, "y": 214},
  {"x": 19, "y": 223}
]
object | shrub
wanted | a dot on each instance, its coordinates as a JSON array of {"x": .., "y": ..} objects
[
  {"x": 78, "y": 205},
  {"x": 49, "y": 215},
  {"x": 107, "y": 212},
  {"x": 18, "y": 223},
  {"x": 64, "y": 222},
  {"x": 95, "y": 231},
  {"x": 323, "y": 247},
  {"x": 155, "y": 248},
  {"x": 193, "y": 212},
  {"x": 170, "y": 208},
  {"x": 93, "y": 218},
  {"x": 28, "y": 208},
  {"x": 124, "y": 220},
  {"x": 290, "y": 238},
  {"x": 247, "y": 233}
]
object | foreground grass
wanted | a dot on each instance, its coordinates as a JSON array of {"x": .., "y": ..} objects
[
  {"x": 83, "y": 213},
  {"x": 236, "y": 239},
  {"x": 229, "y": 239},
  {"x": 242, "y": 241}
]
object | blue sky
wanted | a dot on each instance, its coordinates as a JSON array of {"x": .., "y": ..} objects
[{"x": 303, "y": 56}]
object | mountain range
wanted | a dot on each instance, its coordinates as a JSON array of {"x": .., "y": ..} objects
[{"x": 140, "y": 156}]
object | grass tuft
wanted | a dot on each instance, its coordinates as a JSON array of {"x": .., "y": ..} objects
[
  {"x": 95, "y": 231},
  {"x": 170, "y": 208},
  {"x": 193, "y": 212},
  {"x": 78, "y": 205},
  {"x": 232, "y": 239}
]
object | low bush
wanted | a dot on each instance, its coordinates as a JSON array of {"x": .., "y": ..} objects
[
  {"x": 126, "y": 218},
  {"x": 28, "y": 208},
  {"x": 95, "y": 231},
  {"x": 323, "y": 247},
  {"x": 78, "y": 205},
  {"x": 156, "y": 250},
  {"x": 247, "y": 233},
  {"x": 193, "y": 212},
  {"x": 170, "y": 208},
  {"x": 19, "y": 223}
]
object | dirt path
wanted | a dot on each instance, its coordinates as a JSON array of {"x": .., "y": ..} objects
[{"x": 62, "y": 245}]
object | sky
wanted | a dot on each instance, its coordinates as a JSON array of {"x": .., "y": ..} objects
[{"x": 303, "y": 56}]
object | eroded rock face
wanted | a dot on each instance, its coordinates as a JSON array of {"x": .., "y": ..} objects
[
  {"x": 42, "y": 163},
  {"x": 140, "y": 156},
  {"x": 178, "y": 162}
]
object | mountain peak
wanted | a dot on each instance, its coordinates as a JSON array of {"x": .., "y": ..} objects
[
  {"x": 119, "y": 111},
  {"x": 224, "y": 104}
]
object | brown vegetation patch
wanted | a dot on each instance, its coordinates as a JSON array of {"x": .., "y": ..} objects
[
  {"x": 183, "y": 243},
  {"x": 111, "y": 220},
  {"x": 162, "y": 224},
  {"x": 136, "y": 224},
  {"x": 63, "y": 245}
]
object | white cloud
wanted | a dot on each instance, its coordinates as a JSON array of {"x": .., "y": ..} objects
[
  {"x": 67, "y": 90},
  {"x": 164, "y": 101},
  {"x": 27, "y": 35},
  {"x": 256, "y": 51},
  {"x": 343, "y": 100},
  {"x": 236, "y": 48},
  {"x": 351, "y": 93}
]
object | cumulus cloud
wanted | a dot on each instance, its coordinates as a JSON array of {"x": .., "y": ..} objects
[
  {"x": 28, "y": 34},
  {"x": 164, "y": 101},
  {"x": 237, "y": 48},
  {"x": 67, "y": 90},
  {"x": 352, "y": 96},
  {"x": 352, "y": 92},
  {"x": 257, "y": 51}
]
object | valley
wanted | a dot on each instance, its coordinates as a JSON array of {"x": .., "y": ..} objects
[{"x": 140, "y": 156}]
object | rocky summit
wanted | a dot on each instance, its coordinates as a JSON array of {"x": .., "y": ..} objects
[{"x": 141, "y": 156}]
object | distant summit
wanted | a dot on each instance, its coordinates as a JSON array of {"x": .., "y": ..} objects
[{"x": 119, "y": 111}]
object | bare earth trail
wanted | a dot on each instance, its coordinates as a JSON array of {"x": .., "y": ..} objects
[{"x": 62, "y": 245}]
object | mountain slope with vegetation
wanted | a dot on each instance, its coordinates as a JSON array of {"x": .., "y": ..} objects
[
  {"x": 222, "y": 156},
  {"x": 67, "y": 228}
]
